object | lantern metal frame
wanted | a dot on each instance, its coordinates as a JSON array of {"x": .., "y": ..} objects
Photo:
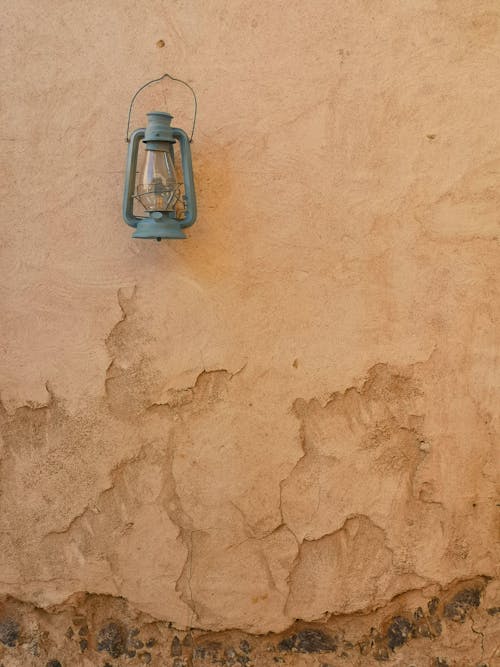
[{"x": 159, "y": 135}]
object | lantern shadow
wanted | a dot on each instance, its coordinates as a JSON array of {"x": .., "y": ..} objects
[{"x": 212, "y": 237}]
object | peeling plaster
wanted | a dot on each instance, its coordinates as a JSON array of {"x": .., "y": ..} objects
[
  {"x": 436, "y": 626},
  {"x": 309, "y": 548}
]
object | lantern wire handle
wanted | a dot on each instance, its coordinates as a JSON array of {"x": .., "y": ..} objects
[{"x": 172, "y": 78}]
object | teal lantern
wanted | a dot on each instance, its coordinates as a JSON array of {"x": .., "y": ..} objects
[{"x": 167, "y": 200}]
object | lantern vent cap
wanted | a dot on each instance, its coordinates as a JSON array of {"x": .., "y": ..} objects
[
  {"x": 158, "y": 128},
  {"x": 160, "y": 113}
]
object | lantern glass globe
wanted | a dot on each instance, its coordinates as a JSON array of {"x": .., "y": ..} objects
[{"x": 157, "y": 189}]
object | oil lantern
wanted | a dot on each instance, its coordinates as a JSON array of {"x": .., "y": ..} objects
[{"x": 165, "y": 195}]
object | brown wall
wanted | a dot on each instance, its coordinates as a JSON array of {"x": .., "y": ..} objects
[{"x": 293, "y": 412}]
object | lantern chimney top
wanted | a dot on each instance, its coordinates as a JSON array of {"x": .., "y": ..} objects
[
  {"x": 158, "y": 128},
  {"x": 160, "y": 114}
]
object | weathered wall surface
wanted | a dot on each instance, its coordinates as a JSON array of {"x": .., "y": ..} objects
[{"x": 289, "y": 418}]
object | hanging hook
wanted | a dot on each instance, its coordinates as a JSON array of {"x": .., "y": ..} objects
[{"x": 172, "y": 78}]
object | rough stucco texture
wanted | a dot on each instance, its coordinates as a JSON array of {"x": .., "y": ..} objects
[{"x": 292, "y": 414}]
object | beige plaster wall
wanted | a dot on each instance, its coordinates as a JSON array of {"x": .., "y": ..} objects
[{"x": 293, "y": 413}]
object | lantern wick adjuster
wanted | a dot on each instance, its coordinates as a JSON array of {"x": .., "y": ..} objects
[{"x": 149, "y": 83}]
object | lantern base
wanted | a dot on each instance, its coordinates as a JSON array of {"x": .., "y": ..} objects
[{"x": 158, "y": 229}]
